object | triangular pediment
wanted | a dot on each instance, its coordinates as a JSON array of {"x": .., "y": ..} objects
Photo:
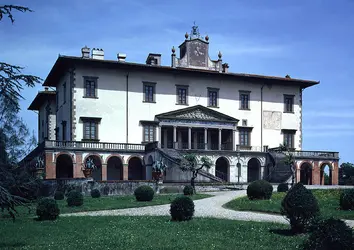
[{"x": 198, "y": 113}]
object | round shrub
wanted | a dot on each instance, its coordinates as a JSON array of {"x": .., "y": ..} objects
[
  {"x": 259, "y": 190},
  {"x": 59, "y": 195},
  {"x": 188, "y": 190},
  {"x": 182, "y": 208},
  {"x": 75, "y": 198},
  {"x": 95, "y": 193},
  {"x": 144, "y": 193},
  {"x": 346, "y": 200},
  {"x": 283, "y": 187},
  {"x": 300, "y": 207},
  {"x": 47, "y": 209},
  {"x": 330, "y": 234}
]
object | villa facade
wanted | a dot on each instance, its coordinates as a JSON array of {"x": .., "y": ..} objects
[{"x": 108, "y": 110}]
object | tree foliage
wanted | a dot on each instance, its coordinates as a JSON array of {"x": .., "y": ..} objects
[
  {"x": 346, "y": 173},
  {"x": 194, "y": 167}
]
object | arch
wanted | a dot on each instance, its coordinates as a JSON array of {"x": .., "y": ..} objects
[
  {"x": 96, "y": 173},
  {"x": 222, "y": 168},
  {"x": 326, "y": 173},
  {"x": 115, "y": 155},
  {"x": 114, "y": 168},
  {"x": 306, "y": 173},
  {"x": 64, "y": 166},
  {"x": 253, "y": 170},
  {"x": 136, "y": 170}
]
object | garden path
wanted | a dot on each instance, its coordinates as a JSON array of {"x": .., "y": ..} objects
[{"x": 208, "y": 207}]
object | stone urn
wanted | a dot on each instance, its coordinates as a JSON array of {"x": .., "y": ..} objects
[
  {"x": 87, "y": 172},
  {"x": 39, "y": 173}
]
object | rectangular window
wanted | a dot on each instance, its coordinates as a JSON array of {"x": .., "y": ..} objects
[
  {"x": 90, "y": 126},
  {"x": 245, "y": 100},
  {"x": 90, "y": 86},
  {"x": 182, "y": 94},
  {"x": 149, "y": 92},
  {"x": 149, "y": 133},
  {"x": 213, "y": 97},
  {"x": 63, "y": 123},
  {"x": 289, "y": 139},
  {"x": 64, "y": 91},
  {"x": 289, "y": 103},
  {"x": 244, "y": 137}
]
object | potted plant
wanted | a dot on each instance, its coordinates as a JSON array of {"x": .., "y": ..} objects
[
  {"x": 157, "y": 170},
  {"x": 89, "y": 166}
]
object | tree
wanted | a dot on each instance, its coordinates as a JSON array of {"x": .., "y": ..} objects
[
  {"x": 13, "y": 131},
  {"x": 193, "y": 166},
  {"x": 346, "y": 173}
]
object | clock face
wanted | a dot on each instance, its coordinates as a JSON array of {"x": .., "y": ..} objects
[{"x": 198, "y": 54}]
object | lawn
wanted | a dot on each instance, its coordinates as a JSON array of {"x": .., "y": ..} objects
[
  {"x": 113, "y": 202},
  {"x": 123, "y": 232},
  {"x": 328, "y": 201}
]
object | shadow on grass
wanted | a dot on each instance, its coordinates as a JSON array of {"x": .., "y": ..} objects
[
  {"x": 12, "y": 245},
  {"x": 283, "y": 232}
]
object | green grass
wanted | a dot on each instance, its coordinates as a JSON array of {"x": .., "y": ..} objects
[
  {"x": 121, "y": 232},
  {"x": 328, "y": 201},
  {"x": 114, "y": 202}
]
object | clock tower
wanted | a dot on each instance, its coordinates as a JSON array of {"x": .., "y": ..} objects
[{"x": 194, "y": 53}]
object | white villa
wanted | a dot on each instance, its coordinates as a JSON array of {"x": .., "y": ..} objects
[{"x": 108, "y": 110}]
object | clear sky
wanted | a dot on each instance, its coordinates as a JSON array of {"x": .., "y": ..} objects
[{"x": 309, "y": 39}]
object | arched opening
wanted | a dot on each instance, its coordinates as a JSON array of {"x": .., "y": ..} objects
[
  {"x": 114, "y": 168},
  {"x": 136, "y": 170},
  {"x": 97, "y": 172},
  {"x": 306, "y": 173},
  {"x": 222, "y": 168},
  {"x": 326, "y": 174},
  {"x": 64, "y": 166},
  {"x": 253, "y": 170}
]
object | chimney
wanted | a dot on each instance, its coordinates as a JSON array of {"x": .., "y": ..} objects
[
  {"x": 225, "y": 67},
  {"x": 121, "y": 57},
  {"x": 153, "y": 59},
  {"x": 85, "y": 52},
  {"x": 97, "y": 54},
  {"x": 45, "y": 88}
]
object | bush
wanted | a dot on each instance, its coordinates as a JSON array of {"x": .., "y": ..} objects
[
  {"x": 346, "y": 200},
  {"x": 300, "y": 207},
  {"x": 47, "y": 209},
  {"x": 259, "y": 190},
  {"x": 95, "y": 193},
  {"x": 70, "y": 187},
  {"x": 59, "y": 195},
  {"x": 75, "y": 198},
  {"x": 182, "y": 208},
  {"x": 283, "y": 187},
  {"x": 144, "y": 193},
  {"x": 330, "y": 234},
  {"x": 188, "y": 190}
]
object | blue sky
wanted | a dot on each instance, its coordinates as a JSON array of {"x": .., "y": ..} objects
[{"x": 305, "y": 39}]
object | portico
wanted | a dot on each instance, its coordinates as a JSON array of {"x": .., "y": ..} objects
[{"x": 196, "y": 127}]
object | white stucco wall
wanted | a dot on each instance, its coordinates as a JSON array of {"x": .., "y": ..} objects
[
  {"x": 42, "y": 121},
  {"x": 111, "y": 103}
]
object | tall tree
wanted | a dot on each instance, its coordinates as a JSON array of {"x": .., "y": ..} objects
[{"x": 14, "y": 136}]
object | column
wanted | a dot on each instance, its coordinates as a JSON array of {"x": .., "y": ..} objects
[
  {"x": 205, "y": 138},
  {"x": 50, "y": 166},
  {"x": 233, "y": 140},
  {"x": 189, "y": 137},
  {"x": 219, "y": 138},
  {"x": 125, "y": 172},
  {"x": 159, "y": 138},
  {"x": 174, "y": 137},
  {"x": 104, "y": 172}
]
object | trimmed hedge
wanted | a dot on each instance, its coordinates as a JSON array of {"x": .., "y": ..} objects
[
  {"x": 144, "y": 193},
  {"x": 346, "y": 200},
  {"x": 182, "y": 208},
  {"x": 75, "y": 198},
  {"x": 283, "y": 187},
  {"x": 59, "y": 195},
  {"x": 259, "y": 190},
  {"x": 188, "y": 190},
  {"x": 47, "y": 209},
  {"x": 300, "y": 207},
  {"x": 330, "y": 234},
  {"x": 95, "y": 193}
]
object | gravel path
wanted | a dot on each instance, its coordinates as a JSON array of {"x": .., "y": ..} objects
[{"x": 208, "y": 207}]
